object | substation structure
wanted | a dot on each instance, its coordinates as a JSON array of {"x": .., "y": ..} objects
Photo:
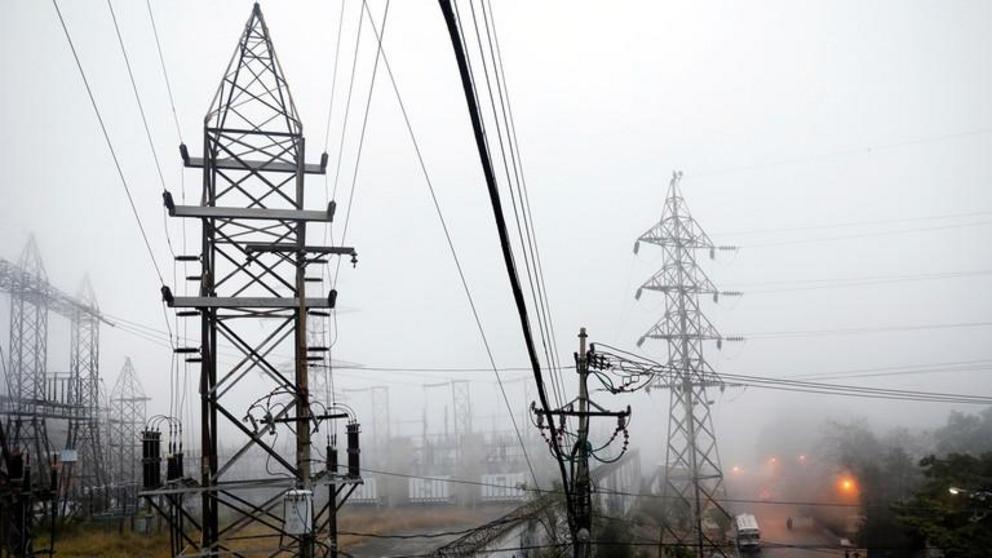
[
  {"x": 434, "y": 460},
  {"x": 253, "y": 309},
  {"x": 53, "y": 440},
  {"x": 692, "y": 478}
]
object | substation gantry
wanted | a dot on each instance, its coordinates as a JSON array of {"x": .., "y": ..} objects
[{"x": 49, "y": 421}]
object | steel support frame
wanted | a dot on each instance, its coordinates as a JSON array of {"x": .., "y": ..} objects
[{"x": 252, "y": 302}]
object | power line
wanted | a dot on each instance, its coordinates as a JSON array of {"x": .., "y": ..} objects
[
  {"x": 854, "y": 391},
  {"x": 859, "y": 330},
  {"x": 110, "y": 145},
  {"x": 454, "y": 253},
  {"x": 471, "y": 99},
  {"x": 795, "y": 383},
  {"x": 849, "y": 151},
  {"x": 777, "y": 230},
  {"x": 173, "y": 367},
  {"x": 842, "y": 282},
  {"x": 526, "y": 246},
  {"x": 165, "y": 74},
  {"x": 867, "y": 235},
  {"x": 361, "y": 137},
  {"x": 514, "y": 144},
  {"x": 626, "y": 494},
  {"x": 159, "y": 336},
  {"x": 347, "y": 103}
]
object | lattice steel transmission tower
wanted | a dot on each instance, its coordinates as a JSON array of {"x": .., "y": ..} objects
[
  {"x": 84, "y": 429},
  {"x": 128, "y": 414},
  {"x": 29, "y": 359},
  {"x": 253, "y": 309},
  {"x": 693, "y": 479}
]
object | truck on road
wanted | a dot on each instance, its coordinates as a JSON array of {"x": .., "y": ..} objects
[{"x": 747, "y": 534}]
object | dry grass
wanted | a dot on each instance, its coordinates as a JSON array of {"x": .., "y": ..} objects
[
  {"x": 89, "y": 541},
  {"x": 86, "y": 541}
]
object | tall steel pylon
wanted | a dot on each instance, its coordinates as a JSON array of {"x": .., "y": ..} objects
[
  {"x": 128, "y": 414},
  {"x": 693, "y": 479},
  {"x": 253, "y": 309},
  {"x": 29, "y": 359}
]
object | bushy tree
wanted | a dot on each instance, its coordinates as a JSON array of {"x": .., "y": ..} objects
[{"x": 959, "y": 524}]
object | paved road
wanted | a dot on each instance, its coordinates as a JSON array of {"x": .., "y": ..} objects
[
  {"x": 772, "y": 520},
  {"x": 452, "y": 521}
]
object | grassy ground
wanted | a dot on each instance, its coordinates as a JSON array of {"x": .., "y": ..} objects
[
  {"x": 107, "y": 541},
  {"x": 104, "y": 541}
]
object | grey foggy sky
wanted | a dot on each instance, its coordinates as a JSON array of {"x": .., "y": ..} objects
[{"x": 609, "y": 98}]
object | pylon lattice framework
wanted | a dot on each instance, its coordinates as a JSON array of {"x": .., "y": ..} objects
[
  {"x": 84, "y": 430},
  {"x": 693, "y": 478},
  {"x": 253, "y": 302},
  {"x": 128, "y": 414}
]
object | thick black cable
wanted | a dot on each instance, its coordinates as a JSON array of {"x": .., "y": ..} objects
[{"x": 490, "y": 177}]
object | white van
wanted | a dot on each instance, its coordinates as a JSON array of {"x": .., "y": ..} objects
[{"x": 747, "y": 533}]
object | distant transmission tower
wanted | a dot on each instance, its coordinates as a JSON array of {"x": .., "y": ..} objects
[
  {"x": 693, "y": 480},
  {"x": 28, "y": 359},
  {"x": 128, "y": 413},
  {"x": 84, "y": 430}
]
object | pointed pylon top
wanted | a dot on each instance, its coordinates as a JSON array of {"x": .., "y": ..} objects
[
  {"x": 677, "y": 226},
  {"x": 127, "y": 387},
  {"x": 30, "y": 260},
  {"x": 253, "y": 94},
  {"x": 85, "y": 293}
]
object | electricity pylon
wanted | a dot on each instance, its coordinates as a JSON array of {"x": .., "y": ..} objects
[
  {"x": 84, "y": 430},
  {"x": 253, "y": 304},
  {"x": 128, "y": 413},
  {"x": 28, "y": 360},
  {"x": 693, "y": 479}
]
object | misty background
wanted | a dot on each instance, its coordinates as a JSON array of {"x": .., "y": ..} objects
[{"x": 834, "y": 142}]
